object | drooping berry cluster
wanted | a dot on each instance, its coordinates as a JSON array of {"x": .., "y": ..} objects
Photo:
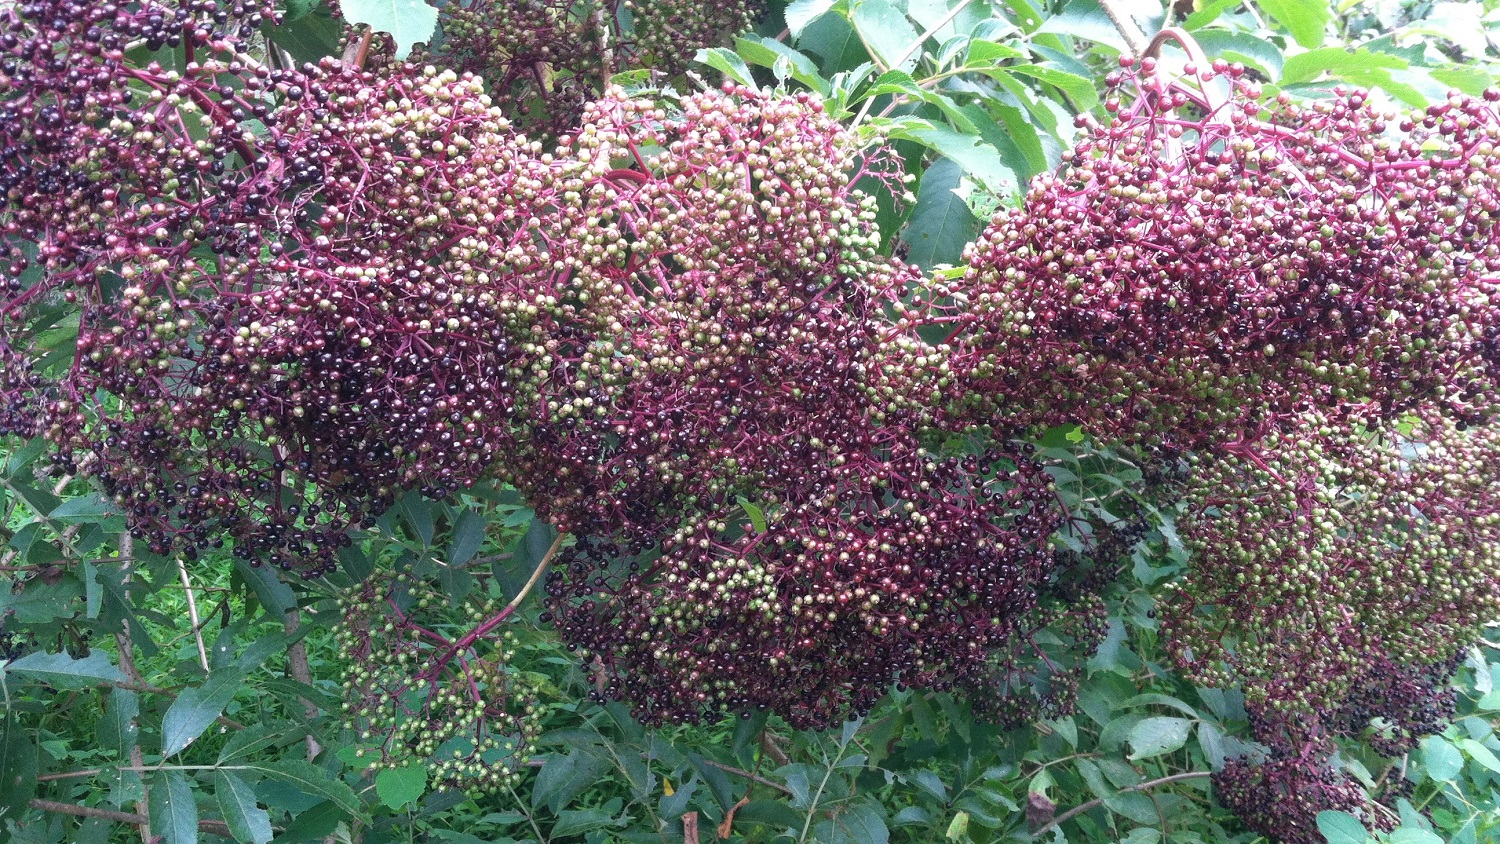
[
  {"x": 907, "y": 570},
  {"x": 136, "y": 196},
  {"x": 1381, "y": 544},
  {"x": 446, "y": 697},
  {"x": 545, "y": 59},
  {"x": 707, "y": 314},
  {"x": 1198, "y": 268},
  {"x": 1336, "y": 573},
  {"x": 1276, "y": 286},
  {"x": 1281, "y": 797}
]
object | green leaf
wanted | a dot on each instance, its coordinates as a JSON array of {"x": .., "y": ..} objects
[
  {"x": 1306, "y": 20},
  {"x": 253, "y": 739},
  {"x": 196, "y": 708},
  {"x": 310, "y": 37},
  {"x": 1410, "y": 835},
  {"x": 298, "y": 9},
  {"x": 248, "y": 822},
  {"x": 1441, "y": 758},
  {"x": 1481, "y": 754},
  {"x": 980, "y": 160},
  {"x": 408, "y": 21},
  {"x": 18, "y": 767},
  {"x": 1081, "y": 91},
  {"x": 1256, "y": 53},
  {"x": 1341, "y": 828},
  {"x": 40, "y": 602},
  {"x": 1087, "y": 19},
  {"x": 173, "y": 812},
  {"x": 941, "y": 223},
  {"x": 117, "y": 729},
  {"x": 757, "y": 516},
  {"x": 65, "y": 672},
  {"x": 310, "y": 779},
  {"x": 564, "y": 777},
  {"x": 579, "y": 821},
  {"x": 400, "y": 786},
  {"x": 39, "y": 500},
  {"x": 272, "y": 593},
  {"x": 727, "y": 62},
  {"x": 958, "y": 828},
  {"x": 416, "y": 511},
  {"x": 889, "y": 34},
  {"x": 800, "y": 13},
  {"x": 84, "y": 508},
  {"x": 313, "y": 824},
  {"x": 863, "y": 824},
  {"x": 1157, "y": 735},
  {"x": 768, "y": 52},
  {"x": 1208, "y": 14},
  {"x": 1470, "y": 80},
  {"x": 468, "y": 538},
  {"x": 983, "y": 52},
  {"x": 1306, "y": 67}
]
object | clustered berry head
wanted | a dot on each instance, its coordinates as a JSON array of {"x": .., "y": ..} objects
[
  {"x": 1198, "y": 269},
  {"x": 543, "y": 60},
  {"x": 1336, "y": 571},
  {"x": 1326, "y": 549},
  {"x": 1281, "y": 798},
  {"x": 430, "y": 686}
]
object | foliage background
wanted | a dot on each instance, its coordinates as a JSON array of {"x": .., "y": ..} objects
[{"x": 230, "y": 725}]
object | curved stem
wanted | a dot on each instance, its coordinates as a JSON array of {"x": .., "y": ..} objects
[
  {"x": 1213, "y": 99},
  {"x": 1080, "y": 809}
]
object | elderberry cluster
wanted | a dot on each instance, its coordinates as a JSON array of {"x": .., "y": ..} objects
[
  {"x": 707, "y": 311},
  {"x": 543, "y": 60},
  {"x": 1199, "y": 268},
  {"x": 420, "y": 693},
  {"x": 1336, "y": 572}
]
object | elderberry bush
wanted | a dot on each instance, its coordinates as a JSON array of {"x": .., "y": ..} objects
[{"x": 259, "y": 305}]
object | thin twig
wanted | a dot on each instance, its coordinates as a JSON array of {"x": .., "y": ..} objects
[
  {"x": 87, "y": 812},
  {"x": 212, "y": 827},
  {"x": 931, "y": 31},
  {"x": 541, "y": 568},
  {"x": 127, "y": 665},
  {"x": 741, "y": 772},
  {"x": 69, "y": 775},
  {"x": 769, "y": 747},
  {"x": 1078, "y": 810},
  {"x": 302, "y": 673},
  {"x": 192, "y": 603},
  {"x": 1134, "y": 37},
  {"x": 364, "y": 48}
]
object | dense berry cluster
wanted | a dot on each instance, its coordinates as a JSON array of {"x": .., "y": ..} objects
[
  {"x": 455, "y": 705},
  {"x": 1281, "y": 797},
  {"x": 1198, "y": 268},
  {"x": 1368, "y": 545},
  {"x": 133, "y": 195},
  {"x": 1335, "y": 574},
  {"x": 301, "y": 293},
  {"x": 676, "y": 316},
  {"x": 1036, "y": 669},
  {"x": 543, "y": 60},
  {"x": 908, "y": 570},
  {"x": 707, "y": 314},
  {"x": 258, "y": 278}
]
